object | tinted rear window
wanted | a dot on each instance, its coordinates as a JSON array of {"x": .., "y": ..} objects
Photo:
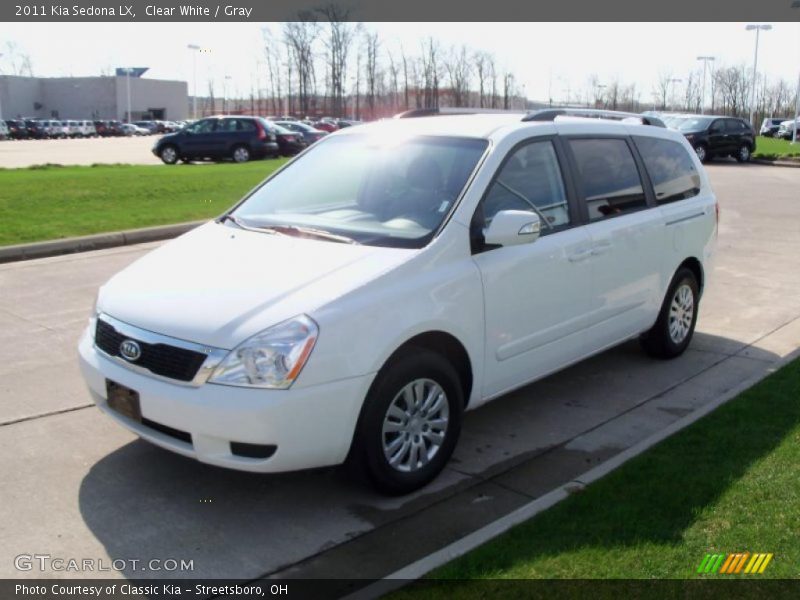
[
  {"x": 670, "y": 168},
  {"x": 609, "y": 177}
]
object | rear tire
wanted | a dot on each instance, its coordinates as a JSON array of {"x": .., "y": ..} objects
[
  {"x": 674, "y": 328},
  {"x": 410, "y": 423},
  {"x": 240, "y": 154},
  {"x": 743, "y": 154}
]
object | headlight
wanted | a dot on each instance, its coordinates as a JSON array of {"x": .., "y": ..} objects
[{"x": 270, "y": 359}]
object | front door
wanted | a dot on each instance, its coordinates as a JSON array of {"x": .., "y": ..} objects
[
  {"x": 198, "y": 139},
  {"x": 536, "y": 295}
]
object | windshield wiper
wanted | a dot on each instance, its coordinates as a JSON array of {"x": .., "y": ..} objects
[
  {"x": 320, "y": 233},
  {"x": 238, "y": 222},
  {"x": 288, "y": 230}
]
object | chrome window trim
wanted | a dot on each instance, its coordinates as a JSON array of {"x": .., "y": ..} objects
[{"x": 214, "y": 356}]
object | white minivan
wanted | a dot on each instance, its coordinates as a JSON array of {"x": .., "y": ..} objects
[{"x": 352, "y": 306}]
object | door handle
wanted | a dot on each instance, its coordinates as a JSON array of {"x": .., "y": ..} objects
[
  {"x": 601, "y": 248},
  {"x": 580, "y": 255}
]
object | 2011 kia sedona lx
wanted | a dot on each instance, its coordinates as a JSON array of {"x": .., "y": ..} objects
[{"x": 394, "y": 275}]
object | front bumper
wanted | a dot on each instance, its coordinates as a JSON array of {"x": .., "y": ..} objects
[{"x": 311, "y": 427}]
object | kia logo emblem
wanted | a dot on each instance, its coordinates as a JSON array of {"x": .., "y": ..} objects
[{"x": 130, "y": 350}]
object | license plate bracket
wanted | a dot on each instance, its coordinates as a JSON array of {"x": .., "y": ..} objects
[{"x": 123, "y": 400}]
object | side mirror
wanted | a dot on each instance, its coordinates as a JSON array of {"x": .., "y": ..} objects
[{"x": 512, "y": 227}]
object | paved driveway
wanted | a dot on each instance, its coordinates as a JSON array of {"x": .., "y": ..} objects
[{"x": 75, "y": 485}]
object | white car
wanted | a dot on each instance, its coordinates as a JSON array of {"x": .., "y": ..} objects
[
  {"x": 131, "y": 129},
  {"x": 396, "y": 274},
  {"x": 86, "y": 129}
]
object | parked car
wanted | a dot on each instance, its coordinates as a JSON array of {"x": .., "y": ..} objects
[
  {"x": 17, "y": 130},
  {"x": 290, "y": 142},
  {"x": 770, "y": 126},
  {"x": 57, "y": 129},
  {"x": 151, "y": 126},
  {"x": 129, "y": 129},
  {"x": 240, "y": 138},
  {"x": 712, "y": 136},
  {"x": 352, "y": 310},
  {"x": 86, "y": 129},
  {"x": 309, "y": 133},
  {"x": 114, "y": 127},
  {"x": 72, "y": 128},
  {"x": 325, "y": 125},
  {"x": 4, "y": 131},
  {"x": 786, "y": 129},
  {"x": 37, "y": 129}
]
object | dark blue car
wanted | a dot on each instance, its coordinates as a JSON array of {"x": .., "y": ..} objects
[{"x": 240, "y": 138}]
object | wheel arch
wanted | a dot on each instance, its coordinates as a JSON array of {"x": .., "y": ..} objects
[
  {"x": 445, "y": 344},
  {"x": 696, "y": 267}
]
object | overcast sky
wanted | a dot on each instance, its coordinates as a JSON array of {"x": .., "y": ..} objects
[{"x": 543, "y": 56}]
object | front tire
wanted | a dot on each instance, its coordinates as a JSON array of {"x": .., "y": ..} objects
[
  {"x": 169, "y": 155},
  {"x": 674, "y": 328},
  {"x": 410, "y": 422}
]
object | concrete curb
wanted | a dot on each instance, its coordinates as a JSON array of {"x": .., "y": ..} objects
[
  {"x": 777, "y": 163},
  {"x": 94, "y": 242},
  {"x": 419, "y": 568}
]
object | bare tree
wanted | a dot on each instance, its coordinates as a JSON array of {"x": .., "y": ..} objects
[
  {"x": 661, "y": 89},
  {"x": 458, "y": 71},
  {"x": 394, "y": 74},
  {"x": 508, "y": 82},
  {"x": 299, "y": 37},
  {"x": 431, "y": 72},
  {"x": 272, "y": 54},
  {"x": 371, "y": 47},
  {"x": 482, "y": 61},
  {"x": 339, "y": 36}
]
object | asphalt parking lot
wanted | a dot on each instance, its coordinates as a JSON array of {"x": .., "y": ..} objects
[
  {"x": 88, "y": 151},
  {"x": 78, "y": 486}
]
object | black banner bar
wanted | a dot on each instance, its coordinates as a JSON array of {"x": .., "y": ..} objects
[{"x": 403, "y": 10}]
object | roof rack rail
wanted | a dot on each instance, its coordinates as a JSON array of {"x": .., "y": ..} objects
[
  {"x": 550, "y": 114},
  {"x": 451, "y": 110}
]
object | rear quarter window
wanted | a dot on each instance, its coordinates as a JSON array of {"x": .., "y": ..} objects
[{"x": 670, "y": 167}]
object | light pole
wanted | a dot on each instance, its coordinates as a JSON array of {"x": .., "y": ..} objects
[
  {"x": 128, "y": 85},
  {"x": 225, "y": 94},
  {"x": 758, "y": 29},
  {"x": 672, "y": 94},
  {"x": 195, "y": 49},
  {"x": 796, "y": 4},
  {"x": 1, "y": 96},
  {"x": 705, "y": 60}
]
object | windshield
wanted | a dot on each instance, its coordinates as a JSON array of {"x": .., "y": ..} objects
[
  {"x": 386, "y": 193},
  {"x": 695, "y": 124}
]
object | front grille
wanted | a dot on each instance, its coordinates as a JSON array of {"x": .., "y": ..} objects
[{"x": 161, "y": 359}]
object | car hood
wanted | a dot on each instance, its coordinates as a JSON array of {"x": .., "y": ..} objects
[{"x": 218, "y": 285}]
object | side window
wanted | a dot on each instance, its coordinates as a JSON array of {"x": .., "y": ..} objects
[
  {"x": 609, "y": 177},
  {"x": 204, "y": 126},
  {"x": 717, "y": 126},
  {"x": 530, "y": 180},
  {"x": 671, "y": 169},
  {"x": 245, "y": 125}
]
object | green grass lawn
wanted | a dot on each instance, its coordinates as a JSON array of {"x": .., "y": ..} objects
[
  {"x": 44, "y": 203},
  {"x": 772, "y": 148},
  {"x": 728, "y": 483}
]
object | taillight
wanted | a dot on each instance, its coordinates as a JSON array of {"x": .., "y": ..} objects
[{"x": 262, "y": 134}]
